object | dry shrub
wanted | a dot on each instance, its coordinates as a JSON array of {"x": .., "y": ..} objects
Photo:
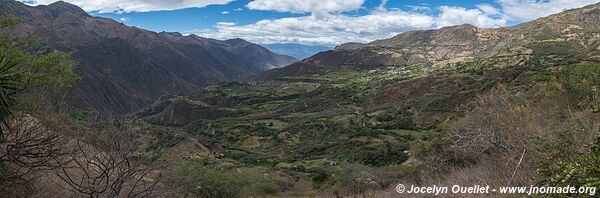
[
  {"x": 487, "y": 172},
  {"x": 95, "y": 173},
  {"x": 499, "y": 123},
  {"x": 109, "y": 164},
  {"x": 28, "y": 147},
  {"x": 503, "y": 138},
  {"x": 41, "y": 158}
]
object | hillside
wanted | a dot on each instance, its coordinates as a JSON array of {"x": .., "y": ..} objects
[
  {"x": 574, "y": 29},
  {"x": 514, "y": 106},
  {"x": 424, "y": 107},
  {"x": 124, "y": 68}
]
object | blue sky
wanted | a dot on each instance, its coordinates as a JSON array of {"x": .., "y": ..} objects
[
  {"x": 316, "y": 21},
  {"x": 236, "y": 11}
]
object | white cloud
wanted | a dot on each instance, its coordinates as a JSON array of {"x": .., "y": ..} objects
[
  {"x": 382, "y": 5},
  {"x": 225, "y": 23},
  {"x": 337, "y": 28},
  {"x": 459, "y": 15},
  {"x": 306, "y": 6},
  {"x": 124, "y": 19},
  {"x": 326, "y": 25},
  {"x": 133, "y": 5},
  {"x": 324, "y": 29},
  {"x": 533, "y": 9},
  {"x": 488, "y": 9},
  {"x": 418, "y": 7}
]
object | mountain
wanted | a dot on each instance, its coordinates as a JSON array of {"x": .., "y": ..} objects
[
  {"x": 431, "y": 107},
  {"x": 298, "y": 51},
  {"x": 124, "y": 68},
  {"x": 576, "y": 30},
  {"x": 456, "y": 105}
]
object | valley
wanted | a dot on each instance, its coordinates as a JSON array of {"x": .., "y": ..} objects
[
  {"x": 124, "y": 68},
  {"x": 187, "y": 116}
]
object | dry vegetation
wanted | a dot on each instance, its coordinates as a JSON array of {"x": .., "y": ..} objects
[
  {"x": 105, "y": 160},
  {"x": 27, "y": 148},
  {"x": 354, "y": 133},
  {"x": 507, "y": 137},
  {"x": 110, "y": 166}
]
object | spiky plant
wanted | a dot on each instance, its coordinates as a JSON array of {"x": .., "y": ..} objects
[{"x": 9, "y": 85}]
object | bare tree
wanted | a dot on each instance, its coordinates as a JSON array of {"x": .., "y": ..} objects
[
  {"x": 499, "y": 123},
  {"x": 27, "y": 147},
  {"x": 96, "y": 173},
  {"x": 109, "y": 164}
]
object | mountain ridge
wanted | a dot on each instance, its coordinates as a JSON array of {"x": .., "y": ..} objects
[
  {"x": 455, "y": 44},
  {"x": 124, "y": 67},
  {"x": 408, "y": 102}
]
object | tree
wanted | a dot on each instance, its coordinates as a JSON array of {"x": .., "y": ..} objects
[
  {"x": 109, "y": 164},
  {"x": 24, "y": 73},
  {"x": 27, "y": 144}
]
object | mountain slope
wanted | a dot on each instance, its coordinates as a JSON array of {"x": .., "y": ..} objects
[
  {"x": 439, "y": 107},
  {"x": 126, "y": 67},
  {"x": 573, "y": 29}
]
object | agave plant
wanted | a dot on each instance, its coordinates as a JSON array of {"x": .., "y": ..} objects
[
  {"x": 9, "y": 74},
  {"x": 9, "y": 85}
]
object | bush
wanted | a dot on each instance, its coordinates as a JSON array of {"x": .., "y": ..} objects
[
  {"x": 357, "y": 178},
  {"x": 201, "y": 180},
  {"x": 513, "y": 134},
  {"x": 582, "y": 83},
  {"x": 385, "y": 116},
  {"x": 248, "y": 158},
  {"x": 396, "y": 120},
  {"x": 500, "y": 123},
  {"x": 380, "y": 155},
  {"x": 319, "y": 177},
  {"x": 583, "y": 170}
]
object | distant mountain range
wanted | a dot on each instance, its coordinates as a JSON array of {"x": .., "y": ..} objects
[
  {"x": 573, "y": 33},
  {"x": 298, "y": 51},
  {"x": 124, "y": 68}
]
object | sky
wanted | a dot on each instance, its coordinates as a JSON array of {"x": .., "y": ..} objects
[{"x": 316, "y": 22}]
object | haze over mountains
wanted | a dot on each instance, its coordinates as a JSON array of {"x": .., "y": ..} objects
[
  {"x": 298, "y": 51},
  {"x": 125, "y": 67}
]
